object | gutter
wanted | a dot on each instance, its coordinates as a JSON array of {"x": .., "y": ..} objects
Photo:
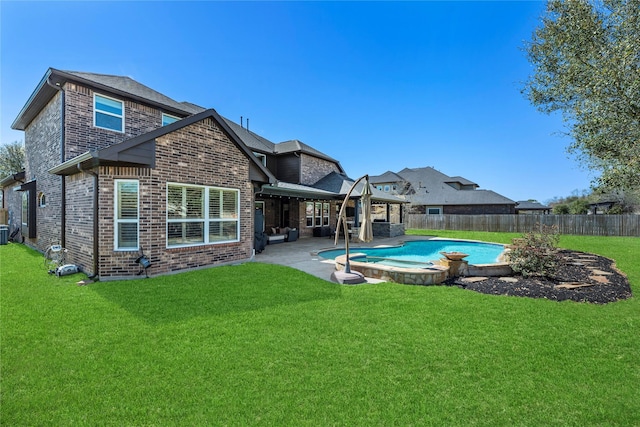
[
  {"x": 96, "y": 246},
  {"x": 63, "y": 181}
]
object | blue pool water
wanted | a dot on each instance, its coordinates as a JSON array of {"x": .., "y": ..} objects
[{"x": 425, "y": 251}]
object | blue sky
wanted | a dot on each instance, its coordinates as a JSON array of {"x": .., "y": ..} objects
[{"x": 377, "y": 85}]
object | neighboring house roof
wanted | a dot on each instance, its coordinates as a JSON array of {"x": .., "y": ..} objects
[
  {"x": 139, "y": 151},
  {"x": 340, "y": 183},
  {"x": 526, "y": 205},
  {"x": 463, "y": 181},
  {"x": 431, "y": 188},
  {"x": 386, "y": 177}
]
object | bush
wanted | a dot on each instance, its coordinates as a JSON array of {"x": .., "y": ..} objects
[{"x": 535, "y": 254}]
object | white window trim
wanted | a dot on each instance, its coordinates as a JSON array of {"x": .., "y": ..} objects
[
  {"x": 169, "y": 115},
  {"x": 95, "y": 110},
  {"x": 206, "y": 218},
  {"x": 117, "y": 221},
  {"x": 323, "y": 218}
]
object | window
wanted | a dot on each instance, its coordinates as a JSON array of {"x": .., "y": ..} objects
[
  {"x": 167, "y": 119},
  {"x": 317, "y": 214},
  {"x": 433, "y": 211},
  {"x": 309, "y": 214},
  {"x": 199, "y": 215},
  {"x": 42, "y": 200},
  {"x": 126, "y": 215},
  {"x": 386, "y": 188},
  {"x": 25, "y": 211},
  {"x": 325, "y": 214},
  {"x": 108, "y": 113}
]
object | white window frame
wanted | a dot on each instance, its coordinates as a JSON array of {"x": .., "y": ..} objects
[
  {"x": 205, "y": 219},
  {"x": 42, "y": 200},
  {"x": 320, "y": 214},
  {"x": 108, "y": 113},
  {"x": 169, "y": 116},
  {"x": 117, "y": 221}
]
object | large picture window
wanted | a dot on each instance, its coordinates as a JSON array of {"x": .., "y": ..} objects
[
  {"x": 127, "y": 218},
  {"x": 199, "y": 215},
  {"x": 108, "y": 113}
]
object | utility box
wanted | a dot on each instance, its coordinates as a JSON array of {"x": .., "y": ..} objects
[{"x": 4, "y": 234}]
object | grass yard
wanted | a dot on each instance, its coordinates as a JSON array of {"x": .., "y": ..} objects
[{"x": 260, "y": 344}]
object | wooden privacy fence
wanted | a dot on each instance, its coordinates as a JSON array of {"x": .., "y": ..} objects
[{"x": 587, "y": 225}]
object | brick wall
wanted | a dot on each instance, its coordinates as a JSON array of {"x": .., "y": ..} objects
[
  {"x": 79, "y": 221},
  {"x": 82, "y": 136},
  {"x": 42, "y": 152},
  {"x": 313, "y": 169},
  {"x": 200, "y": 154}
]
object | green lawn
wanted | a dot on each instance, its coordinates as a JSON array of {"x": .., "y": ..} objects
[{"x": 267, "y": 345}]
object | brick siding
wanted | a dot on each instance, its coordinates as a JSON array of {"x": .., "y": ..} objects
[
  {"x": 314, "y": 169},
  {"x": 199, "y": 154},
  {"x": 42, "y": 152}
]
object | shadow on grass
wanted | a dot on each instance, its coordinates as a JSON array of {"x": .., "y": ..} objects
[{"x": 215, "y": 291}]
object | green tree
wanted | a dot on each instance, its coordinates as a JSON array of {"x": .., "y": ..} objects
[
  {"x": 579, "y": 207},
  {"x": 586, "y": 59},
  {"x": 561, "y": 209},
  {"x": 11, "y": 158}
]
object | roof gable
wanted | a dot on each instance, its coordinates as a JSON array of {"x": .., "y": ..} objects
[
  {"x": 54, "y": 80},
  {"x": 140, "y": 150}
]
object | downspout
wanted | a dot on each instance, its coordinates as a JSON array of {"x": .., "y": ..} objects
[
  {"x": 63, "y": 182},
  {"x": 96, "y": 246}
]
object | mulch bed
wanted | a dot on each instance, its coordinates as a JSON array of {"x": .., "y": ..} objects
[{"x": 580, "y": 277}]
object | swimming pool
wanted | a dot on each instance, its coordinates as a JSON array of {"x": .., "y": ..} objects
[{"x": 424, "y": 252}]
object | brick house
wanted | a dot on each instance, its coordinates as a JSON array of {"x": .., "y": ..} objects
[
  {"x": 428, "y": 191},
  {"x": 115, "y": 169}
]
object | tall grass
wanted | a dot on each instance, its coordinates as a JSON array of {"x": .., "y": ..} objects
[{"x": 262, "y": 344}]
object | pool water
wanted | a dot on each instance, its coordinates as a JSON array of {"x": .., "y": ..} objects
[{"x": 426, "y": 251}]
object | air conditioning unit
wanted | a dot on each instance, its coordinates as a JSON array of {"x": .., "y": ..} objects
[{"x": 67, "y": 269}]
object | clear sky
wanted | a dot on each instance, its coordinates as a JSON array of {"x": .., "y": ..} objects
[{"x": 377, "y": 85}]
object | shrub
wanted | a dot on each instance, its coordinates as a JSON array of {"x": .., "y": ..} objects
[{"x": 535, "y": 254}]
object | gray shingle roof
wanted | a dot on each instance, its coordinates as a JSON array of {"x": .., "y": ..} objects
[
  {"x": 429, "y": 187},
  {"x": 388, "y": 176},
  {"x": 340, "y": 184},
  {"x": 528, "y": 205},
  {"x": 251, "y": 139},
  {"x": 294, "y": 146},
  {"x": 138, "y": 90}
]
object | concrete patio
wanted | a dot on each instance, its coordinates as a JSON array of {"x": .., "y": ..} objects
[{"x": 303, "y": 253}]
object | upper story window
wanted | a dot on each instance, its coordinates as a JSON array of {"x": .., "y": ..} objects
[
  {"x": 167, "y": 119},
  {"x": 42, "y": 200},
  {"x": 108, "y": 113}
]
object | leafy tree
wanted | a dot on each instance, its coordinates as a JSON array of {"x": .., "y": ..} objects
[
  {"x": 579, "y": 207},
  {"x": 586, "y": 59},
  {"x": 11, "y": 158},
  {"x": 561, "y": 209}
]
